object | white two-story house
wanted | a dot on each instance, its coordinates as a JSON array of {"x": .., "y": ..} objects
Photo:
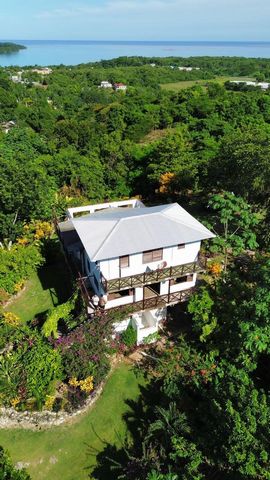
[{"x": 133, "y": 258}]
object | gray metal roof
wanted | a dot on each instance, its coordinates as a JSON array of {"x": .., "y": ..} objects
[{"x": 115, "y": 232}]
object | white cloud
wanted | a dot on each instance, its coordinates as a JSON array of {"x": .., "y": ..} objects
[{"x": 159, "y": 19}]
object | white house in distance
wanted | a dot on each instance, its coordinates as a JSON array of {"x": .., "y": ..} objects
[
  {"x": 119, "y": 87},
  {"x": 17, "y": 78},
  {"x": 262, "y": 85},
  {"x": 133, "y": 258},
  {"x": 42, "y": 70},
  {"x": 188, "y": 69},
  {"x": 105, "y": 84},
  {"x": 7, "y": 126}
]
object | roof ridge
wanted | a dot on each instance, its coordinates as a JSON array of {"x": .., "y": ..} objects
[
  {"x": 114, "y": 228},
  {"x": 108, "y": 236},
  {"x": 187, "y": 224}
]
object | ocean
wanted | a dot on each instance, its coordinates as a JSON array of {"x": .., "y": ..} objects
[{"x": 56, "y": 52}]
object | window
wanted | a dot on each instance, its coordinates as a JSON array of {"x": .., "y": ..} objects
[
  {"x": 124, "y": 261},
  {"x": 186, "y": 278},
  {"x": 153, "y": 255},
  {"x": 180, "y": 246}
]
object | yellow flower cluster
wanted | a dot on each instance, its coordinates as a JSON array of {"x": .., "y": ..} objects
[
  {"x": 164, "y": 181},
  {"x": 85, "y": 385},
  {"x": 49, "y": 402},
  {"x": 36, "y": 231},
  {"x": 43, "y": 230},
  {"x": 14, "y": 402},
  {"x": 22, "y": 241},
  {"x": 18, "y": 286},
  {"x": 73, "y": 382},
  {"x": 215, "y": 269},
  {"x": 11, "y": 319}
]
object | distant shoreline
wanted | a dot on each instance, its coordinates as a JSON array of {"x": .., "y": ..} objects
[
  {"x": 10, "y": 47},
  {"x": 75, "y": 52}
]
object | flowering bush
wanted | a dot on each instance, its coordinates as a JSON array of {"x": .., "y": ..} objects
[
  {"x": 215, "y": 268},
  {"x": 85, "y": 351},
  {"x": 11, "y": 319},
  {"x": 16, "y": 264},
  {"x": 29, "y": 366},
  {"x": 86, "y": 385}
]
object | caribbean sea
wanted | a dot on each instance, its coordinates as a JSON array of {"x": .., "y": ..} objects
[{"x": 71, "y": 52}]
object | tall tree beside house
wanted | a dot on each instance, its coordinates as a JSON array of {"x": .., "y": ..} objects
[
  {"x": 235, "y": 224},
  {"x": 206, "y": 412}
]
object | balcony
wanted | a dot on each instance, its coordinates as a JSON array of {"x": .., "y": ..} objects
[
  {"x": 151, "y": 299},
  {"x": 154, "y": 276},
  {"x": 155, "y": 301}
]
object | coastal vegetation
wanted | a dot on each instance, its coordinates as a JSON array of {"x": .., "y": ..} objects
[
  {"x": 205, "y": 410},
  {"x": 10, "y": 47}
]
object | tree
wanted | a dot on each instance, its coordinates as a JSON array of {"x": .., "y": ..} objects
[
  {"x": 245, "y": 152},
  {"x": 8, "y": 471},
  {"x": 234, "y": 223}
]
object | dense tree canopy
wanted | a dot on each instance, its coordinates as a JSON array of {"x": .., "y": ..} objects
[{"x": 205, "y": 412}]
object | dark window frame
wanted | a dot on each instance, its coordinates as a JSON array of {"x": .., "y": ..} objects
[
  {"x": 150, "y": 256},
  {"x": 124, "y": 261}
]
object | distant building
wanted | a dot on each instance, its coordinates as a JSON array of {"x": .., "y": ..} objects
[
  {"x": 188, "y": 69},
  {"x": 42, "y": 71},
  {"x": 152, "y": 64},
  {"x": 119, "y": 87},
  {"x": 7, "y": 126},
  {"x": 105, "y": 84},
  {"x": 262, "y": 85},
  {"x": 17, "y": 78}
]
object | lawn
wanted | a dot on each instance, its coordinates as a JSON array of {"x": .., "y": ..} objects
[
  {"x": 66, "y": 452},
  {"x": 45, "y": 289},
  {"x": 176, "y": 86}
]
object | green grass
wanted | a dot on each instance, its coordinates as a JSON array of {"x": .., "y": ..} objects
[
  {"x": 66, "y": 452},
  {"x": 45, "y": 289},
  {"x": 191, "y": 83}
]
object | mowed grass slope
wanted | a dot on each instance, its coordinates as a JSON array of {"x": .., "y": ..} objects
[
  {"x": 176, "y": 86},
  {"x": 66, "y": 452},
  {"x": 44, "y": 290}
]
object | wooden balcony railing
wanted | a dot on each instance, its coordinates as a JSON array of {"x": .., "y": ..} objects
[
  {"x": 155, "y": 276},
  {"x": 81, "y": 281},
  {"x": 157, "y": 301}
]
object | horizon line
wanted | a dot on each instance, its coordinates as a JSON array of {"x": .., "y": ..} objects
[{"x": 128, "y": 40}]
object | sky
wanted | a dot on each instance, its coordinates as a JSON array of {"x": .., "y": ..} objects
[{"x": 227, "y": 20}]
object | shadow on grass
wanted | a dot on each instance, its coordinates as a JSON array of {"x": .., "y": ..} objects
[
  {"x": 111, "y": 461},
  {"x": 56, "y": 279}
]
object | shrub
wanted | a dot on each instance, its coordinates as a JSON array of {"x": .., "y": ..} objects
[
  {"x": 16, "y": 264},
  {"x": 8, "y": 472},
  {"x": 85, "y": 351},
  {"x": 129, "y": 337},
  {"x": 4, "y": 296},
  {"x": 29, "y": 367}
]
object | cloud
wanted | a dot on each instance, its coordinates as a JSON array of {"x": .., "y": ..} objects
[
  {"x": 156, "y": 19},
  {"x": 115, "y": 7}
]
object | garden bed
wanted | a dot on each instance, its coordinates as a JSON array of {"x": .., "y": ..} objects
[{"x": 70, "y": 451}]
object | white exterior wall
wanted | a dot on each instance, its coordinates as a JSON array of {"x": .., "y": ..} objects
[
  {"x": 133, "y": 203},
  {"x": 126, "y": 300},
  {"x": 172, "y": 255},
  {"x": 120, "y": 327},
  {"x": 147, "y": 323}
]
